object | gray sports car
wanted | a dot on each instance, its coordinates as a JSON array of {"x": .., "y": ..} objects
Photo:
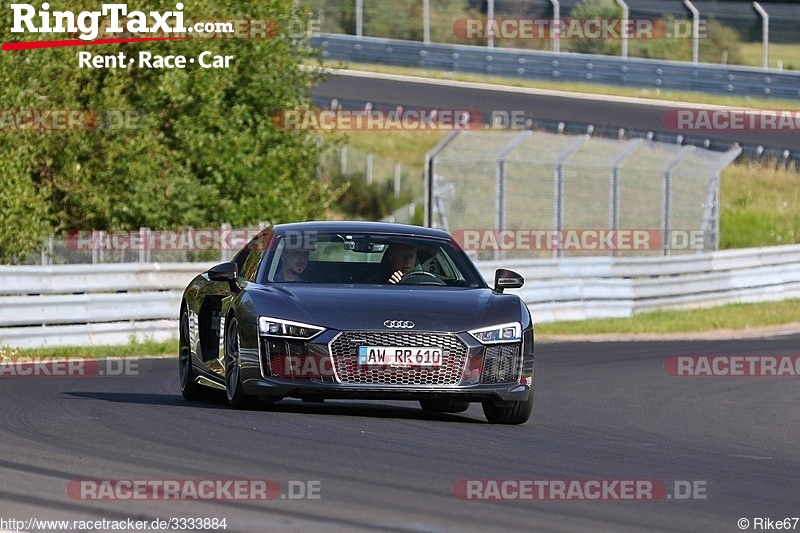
[{"x": 318, "y": 310}]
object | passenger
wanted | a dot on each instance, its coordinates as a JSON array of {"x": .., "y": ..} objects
[{"x": 293, "y": 264}]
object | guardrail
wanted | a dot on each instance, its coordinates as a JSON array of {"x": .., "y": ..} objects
[
  {"x": 76, "y": 305},
  {"x": 580, "y": 288},
  {"x": 111, "y": 304},
  {"x": 532, "y": 64}
]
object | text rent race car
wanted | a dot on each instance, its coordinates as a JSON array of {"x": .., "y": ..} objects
[{"x": 318, "y": 310}]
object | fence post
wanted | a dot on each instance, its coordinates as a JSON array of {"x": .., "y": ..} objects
[
  {"x": 369, "y": 168},
  {"x": 47, "y": 252},
  {"x": 695, "y": 30},
  {"x": 430, "y": 175},
  {"x": 666, "y": 209},
  {"x": 359, "y": 18},
  {"x": 500, "y": 202},
  {"x": 629, "y": 148},
  {"x": 397, "y": 178},
  {"x": 97, "y": 237},
  {"x": 343, "y": 162},
  {"x": 730, "y": 156},
  {"x": 624, "y": 35},
  {"x": 555, "y": 27},
  {"x": 764, "y": 34},
  {"x": 426, "y": 21},
  {"x": 144, "y": 248},
  {"x": 225, "y": 241},
  {"x": 490, "y": 24},
  {"x": 708, "y": 226},
  {"x": 558, "y": 185}
]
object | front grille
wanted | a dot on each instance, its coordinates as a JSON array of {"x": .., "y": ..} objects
[
  {"x": 344, "y": 349},
  {"x": 500, "y": 363}
]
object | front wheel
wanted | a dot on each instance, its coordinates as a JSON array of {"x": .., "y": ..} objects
[
  {"x": 190, "y": 389},
  {"x": 508, "y": 412},
  {"x": 233, "y": 380}
]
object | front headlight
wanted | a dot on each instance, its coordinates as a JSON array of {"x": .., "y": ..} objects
[
  {"x": 510, "y": 332},
  {"x": 276, "y": 327}
]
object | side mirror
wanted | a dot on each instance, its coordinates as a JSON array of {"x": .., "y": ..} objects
[
  {"x": 507, "y": 279},
  {"x": 224, "y": 272}
]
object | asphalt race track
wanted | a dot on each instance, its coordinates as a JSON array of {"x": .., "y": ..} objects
[
  {"x": 638, "y": 116},
  {"x": 603, "y": 411}
]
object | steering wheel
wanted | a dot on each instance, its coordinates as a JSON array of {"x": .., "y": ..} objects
[{"x": 421, "y": 278}]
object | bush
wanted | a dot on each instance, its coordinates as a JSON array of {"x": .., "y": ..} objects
[
  {"x": 594, "y": 9},
  {"x": 204, "y": 151}
]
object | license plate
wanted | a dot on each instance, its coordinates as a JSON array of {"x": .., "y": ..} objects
[{"x": 402, "y": 357}]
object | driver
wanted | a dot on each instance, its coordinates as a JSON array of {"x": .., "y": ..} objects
[{"x": 402, "y": 259}]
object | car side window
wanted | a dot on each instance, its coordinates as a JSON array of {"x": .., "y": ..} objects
[
  {"x": 250, "y": 268},
  {"x": 241, "y": 257},
  {"x": 249, "y": 258}
]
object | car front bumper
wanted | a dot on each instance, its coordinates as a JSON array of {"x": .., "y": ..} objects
[{"x": 323, "y": 368}]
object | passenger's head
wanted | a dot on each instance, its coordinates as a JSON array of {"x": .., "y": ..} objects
[
  {"x": 402, "y": 257},
  {"x": 294, "y": 262}
]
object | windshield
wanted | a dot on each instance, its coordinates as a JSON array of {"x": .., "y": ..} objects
[{"x": 349, "y": 258}]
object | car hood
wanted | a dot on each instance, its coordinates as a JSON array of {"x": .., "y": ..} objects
[{"x": 367, "y": 307}]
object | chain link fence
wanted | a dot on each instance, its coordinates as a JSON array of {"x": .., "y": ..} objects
[
  {"x": 402, "y": 182},
  {"x": 144, "y": 246},
  {"x": 534, "y": 194}
]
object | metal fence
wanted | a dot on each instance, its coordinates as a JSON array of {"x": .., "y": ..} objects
[
  {"x": 530, "y": 183},
  {"x": 144, "y": 246},
  {"x": 586, "y": 68},
  {"x": 438, "y": 21},
  {"x": 348, "y": 160}
]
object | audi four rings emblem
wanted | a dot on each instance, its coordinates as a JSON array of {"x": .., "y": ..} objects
[{"x": 399, "y": 324}]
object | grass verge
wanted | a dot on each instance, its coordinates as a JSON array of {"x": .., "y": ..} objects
[
  {"x": 133, "y": 349},
  {"x": 789, "y": 54},
  {"x": 759, "y": 206},
  {"x": 732, "y": 316}
]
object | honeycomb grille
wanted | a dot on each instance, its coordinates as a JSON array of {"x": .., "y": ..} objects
[
  {"x": 344, "y": 350},
  {"x": 274, "y": 354},
  {"x": 500, "y": 364}
]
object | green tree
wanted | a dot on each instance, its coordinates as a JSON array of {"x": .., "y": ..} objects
[{"x": 203, "y": 149}]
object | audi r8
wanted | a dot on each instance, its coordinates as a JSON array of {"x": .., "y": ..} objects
[{"x": 358, "y": 310}]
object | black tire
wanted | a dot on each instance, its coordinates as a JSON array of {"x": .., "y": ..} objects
[
  {"x": 448, "y": 405},
  {"x": 190, "y": 389},
  {"x": 516, "y": 413},
  {"x": 233, "y": 379}
]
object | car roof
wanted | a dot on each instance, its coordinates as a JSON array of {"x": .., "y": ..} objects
[{"x": 362, "y": 227}]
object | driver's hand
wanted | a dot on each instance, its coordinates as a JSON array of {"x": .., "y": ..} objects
[{"x": 396, "y": 277}]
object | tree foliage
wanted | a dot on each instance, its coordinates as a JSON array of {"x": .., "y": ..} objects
[
  {"x": 395, "y": 19},
  {"x": 595, "y": 10},
  {"x": 201, "y": 148}
]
